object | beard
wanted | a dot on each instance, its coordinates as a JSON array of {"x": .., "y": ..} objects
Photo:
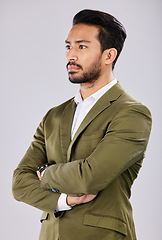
[{"x": 90, "y": 76}]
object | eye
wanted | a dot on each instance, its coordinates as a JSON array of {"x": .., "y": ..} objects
[
  {"x": 82, "y": 46},
  {"x": 68, "y": 47}
]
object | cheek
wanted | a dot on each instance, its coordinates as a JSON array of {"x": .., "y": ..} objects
[
  {"x": 67, "y": 56},
  {"x": 87, "y": 60}
]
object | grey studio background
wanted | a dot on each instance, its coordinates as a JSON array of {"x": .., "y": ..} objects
[{"x": 33, "y": 79}]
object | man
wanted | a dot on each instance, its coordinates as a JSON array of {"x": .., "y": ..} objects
[{"x": 88, "y": 151}]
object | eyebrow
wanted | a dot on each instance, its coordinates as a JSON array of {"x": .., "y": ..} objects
[{"x": 78, "y": 41}]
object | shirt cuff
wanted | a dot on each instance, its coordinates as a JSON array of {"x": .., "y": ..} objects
[{"x": 62, "y": 204}]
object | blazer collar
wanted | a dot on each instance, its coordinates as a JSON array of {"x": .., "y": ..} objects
[{"x": 104, "y": 102}]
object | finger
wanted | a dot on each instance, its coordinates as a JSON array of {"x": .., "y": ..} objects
[{"x": 39, "y": 175}]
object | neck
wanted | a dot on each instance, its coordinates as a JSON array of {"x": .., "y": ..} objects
[{"x": 87, "y": 89}]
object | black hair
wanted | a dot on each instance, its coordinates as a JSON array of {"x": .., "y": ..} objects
[{"x": 112, "y": 33}]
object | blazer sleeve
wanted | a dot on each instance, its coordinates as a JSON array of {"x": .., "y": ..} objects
[
  {"x": 26, "y": 185},
  {"x": 123, "y": 145}
]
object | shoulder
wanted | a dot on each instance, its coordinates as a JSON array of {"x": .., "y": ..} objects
[
  {"x": 58, "y": 110},
  {"x": 131, "y": 114},
  {"x": 127, "y": 111},
  {"x": 129, "y": 103},
  {"x": 126, "y": 101}
]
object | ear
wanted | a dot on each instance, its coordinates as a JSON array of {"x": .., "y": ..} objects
[{"x": 110, "y": 55}]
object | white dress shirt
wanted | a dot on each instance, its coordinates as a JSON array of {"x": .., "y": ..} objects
[{"x": 82, "y": 109}]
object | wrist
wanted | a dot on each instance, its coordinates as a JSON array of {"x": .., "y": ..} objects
[
  {"x": 42, "y": 167},
  {"x": 62, "y": 203}
]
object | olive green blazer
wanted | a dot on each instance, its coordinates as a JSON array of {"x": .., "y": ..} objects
[{"x": 103, "y": 158}]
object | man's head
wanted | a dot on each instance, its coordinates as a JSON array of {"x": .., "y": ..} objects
[
  {"x": 93, "y": 44},
  {"x": 112, "y": 33}
]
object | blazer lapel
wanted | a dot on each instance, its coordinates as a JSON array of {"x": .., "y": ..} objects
[
  {"x": 103, "y": 103},
  {"x": 65, "y": 127}
]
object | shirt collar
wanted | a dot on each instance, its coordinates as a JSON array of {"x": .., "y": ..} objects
[{"x": 95, "y": 96}]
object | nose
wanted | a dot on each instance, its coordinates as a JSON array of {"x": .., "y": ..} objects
[{"x": 71, "y": 55}]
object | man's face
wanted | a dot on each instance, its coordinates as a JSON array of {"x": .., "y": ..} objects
[{"x": 84, "y": 57}]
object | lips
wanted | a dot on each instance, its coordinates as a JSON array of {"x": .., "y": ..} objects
[{"x": 73, "y": 68}]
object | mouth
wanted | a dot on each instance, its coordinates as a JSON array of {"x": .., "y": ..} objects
[{"x": 73, "y": 67}]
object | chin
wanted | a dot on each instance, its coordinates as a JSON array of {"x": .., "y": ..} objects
[{"x": 75, "y": 81}]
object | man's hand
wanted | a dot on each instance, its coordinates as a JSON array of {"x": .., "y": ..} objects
[
  {"x": 40, "y": 175},
  {"x": 79, "y": 200},
  {"x": 40, "y": 170}
]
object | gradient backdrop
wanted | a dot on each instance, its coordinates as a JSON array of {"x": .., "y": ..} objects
[{"x": 33, "y": 79}]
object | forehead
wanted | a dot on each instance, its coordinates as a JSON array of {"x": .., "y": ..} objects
[{"x": 83, "y": 32}]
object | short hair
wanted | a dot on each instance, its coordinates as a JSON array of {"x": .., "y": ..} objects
[{"x": 112, "y": 33}]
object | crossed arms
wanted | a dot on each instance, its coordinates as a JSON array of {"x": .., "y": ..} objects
[
  {"x": 122, "y": 146},
  {"x": 70, "y": 200}
]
